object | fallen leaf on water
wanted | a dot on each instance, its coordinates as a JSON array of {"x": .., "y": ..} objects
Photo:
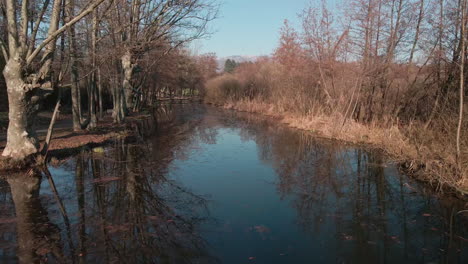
[
  {"x": 262, "y": 229},
  {"x": 434, "y": 229},
  {"x": 426, "y": 215},
  {"x": 98, "y": 150}
]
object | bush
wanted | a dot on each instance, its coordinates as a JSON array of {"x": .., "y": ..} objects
[{"x": 222, "y": 89}]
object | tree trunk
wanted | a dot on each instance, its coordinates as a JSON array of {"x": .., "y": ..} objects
[
  {"x": 127, "y": 67},
  {"x": 119, "y": 106},
  {"x": 21, "y": 136},
  {"x": 75, "y": 93},
  {"x": 101, "y": 110},
  {"x": 76, "y": 113},
  {"x": 92, "y": 103},
  {"x": 93, "y": 86},
  {"x": 462, "y": 80}
]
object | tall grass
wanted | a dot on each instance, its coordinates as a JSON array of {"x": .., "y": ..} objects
[{"x": 337, "y": 102}]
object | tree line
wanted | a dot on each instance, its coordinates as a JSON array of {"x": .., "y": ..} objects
[
  {"x": 97, "y": 53},
  {"x": 391, "y": 64}
]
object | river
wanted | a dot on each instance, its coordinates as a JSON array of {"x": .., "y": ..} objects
[{"x": 216, "y": 186}]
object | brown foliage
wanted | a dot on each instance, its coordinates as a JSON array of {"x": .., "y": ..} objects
[{"x": 353, "y": 83}]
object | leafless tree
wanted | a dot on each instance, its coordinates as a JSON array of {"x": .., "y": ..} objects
[{"x": 28, "y": 71}]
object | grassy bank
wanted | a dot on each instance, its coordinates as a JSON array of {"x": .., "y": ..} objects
[
  {"x": 418, "y": 134},
  {"x": 426, "y": 163}
]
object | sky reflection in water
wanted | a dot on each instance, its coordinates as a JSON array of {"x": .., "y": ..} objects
[{"x": 213, "y": 186}]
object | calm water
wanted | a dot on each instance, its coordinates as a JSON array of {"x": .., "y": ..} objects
[{"x": 213, "y": 186}]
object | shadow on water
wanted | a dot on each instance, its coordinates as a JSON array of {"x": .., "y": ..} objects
[
  {"x": 104, "y": 206},
  {"x": 214, "y": 186}
]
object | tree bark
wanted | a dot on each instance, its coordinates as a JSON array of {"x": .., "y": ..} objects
[
  {"x": 75, "y": 93},
  {"x": 462, "y": 79},
  {"x": 101, "y": 110},
  {"x": 93, "y": 86},
  {"x": 127, "y": 68},
  {"x": 119, "y": 104},
  {"x": 22, "y": 141}
]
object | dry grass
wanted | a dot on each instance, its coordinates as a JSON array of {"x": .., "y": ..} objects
[
  {"x": 318, "y": 103},
  {"x": 432, "y": 156},
  {"x": 390, "y": 139},
  {"x": 429, "y": 161}
]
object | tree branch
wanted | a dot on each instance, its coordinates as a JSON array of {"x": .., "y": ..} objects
[
  {"x": 12, "y": 27},
  {"x": 53, "y": 36},
  {"x": 36, "y": 28},
  {"x": 24, "y": 25},
  {"x": 4, "y": 50}
]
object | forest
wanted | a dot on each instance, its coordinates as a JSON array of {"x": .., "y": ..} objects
[{"x": 96, "y": 55}]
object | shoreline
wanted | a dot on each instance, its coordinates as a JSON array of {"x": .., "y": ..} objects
[
  {"x": 390, "y": 140},
  {"x": 66, "y": 142}
]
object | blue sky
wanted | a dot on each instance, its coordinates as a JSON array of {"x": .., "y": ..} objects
[{"x": 251, "y": 27}]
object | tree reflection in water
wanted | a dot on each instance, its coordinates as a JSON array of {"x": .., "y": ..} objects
[
  {"x": 37, "y": 237},
  {"x": 353, "y": 192},
  {"x": 121, "y": 209},
  {"x": 118, "y": 205}
]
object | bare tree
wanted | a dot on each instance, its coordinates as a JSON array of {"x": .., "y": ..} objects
[
  {"x": 151, "y": 25},
  {"x": 417, "y": 30},
  {"x": 28, "y": 69}
]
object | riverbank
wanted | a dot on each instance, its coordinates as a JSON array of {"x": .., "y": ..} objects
[
  {"x": 66, "y": 142},
  {"x": 424, "y": 163},
  {"x": 234, "y": 186}
]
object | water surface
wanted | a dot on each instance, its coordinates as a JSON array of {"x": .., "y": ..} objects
[{"x": 213, "y": 186}]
